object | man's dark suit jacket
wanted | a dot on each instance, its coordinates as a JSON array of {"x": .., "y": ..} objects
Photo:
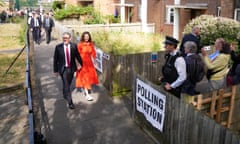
[
  {"x": 59, "y": 58},
  {"x": 32, "y": 22},
  {"x": 193, "y": 38},
  {"x": 51, "y": 23}
]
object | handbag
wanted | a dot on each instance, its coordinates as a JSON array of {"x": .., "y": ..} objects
[{"x": 210, "y": 72}]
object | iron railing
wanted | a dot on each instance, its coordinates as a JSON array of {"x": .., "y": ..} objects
[{"x": 29, "y": 92}]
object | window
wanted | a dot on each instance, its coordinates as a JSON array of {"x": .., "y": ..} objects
[
  {"x": 140, "y": 12},
  {"x": 169, "y": 15},
  {"x": 218, "y": 11},
  {"x": 237, "y": 14}
]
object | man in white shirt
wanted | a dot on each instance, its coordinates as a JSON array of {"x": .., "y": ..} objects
[{"x": 35, "y": 25}]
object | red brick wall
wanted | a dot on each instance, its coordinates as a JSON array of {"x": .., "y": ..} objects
[
  {"x": 227, "y": 8},
  {"x": 105, "y": 7}
]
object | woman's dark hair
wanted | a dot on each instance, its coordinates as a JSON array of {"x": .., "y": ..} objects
[
  {"x": 225, "y": 48},
  {"x": 82, "y": 37}
]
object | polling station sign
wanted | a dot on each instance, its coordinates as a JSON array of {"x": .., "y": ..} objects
[{"x": 151, "y": 104}]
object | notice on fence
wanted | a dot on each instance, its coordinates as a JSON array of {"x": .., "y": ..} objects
[
  {"x": 98, "y": 62},
  {"x": 151, "y": 103}
]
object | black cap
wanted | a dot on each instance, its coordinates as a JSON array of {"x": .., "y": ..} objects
[{"x": 171, "y": 40}]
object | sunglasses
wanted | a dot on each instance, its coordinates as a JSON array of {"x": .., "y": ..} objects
[{"x": 65, "y": 37}]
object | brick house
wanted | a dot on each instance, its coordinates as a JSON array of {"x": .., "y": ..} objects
[{"x": 169, "y": 16}]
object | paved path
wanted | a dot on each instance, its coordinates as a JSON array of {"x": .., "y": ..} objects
[
  {"x": 13, "y": 117},
  {"x": 105, "y": 120}
]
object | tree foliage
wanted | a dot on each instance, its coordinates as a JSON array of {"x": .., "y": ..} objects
[
  {"x": 72, "y": 12},
  {"x": 28, "y": 3}
]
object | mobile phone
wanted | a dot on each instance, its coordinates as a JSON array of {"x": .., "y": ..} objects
[{"x": 207, "y": 48}]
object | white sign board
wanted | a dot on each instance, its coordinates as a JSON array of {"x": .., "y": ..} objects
[
  {"x": 98, "y": 62},
  {"x": 151, "y": 103}
]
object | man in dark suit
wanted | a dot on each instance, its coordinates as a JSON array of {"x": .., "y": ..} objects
[
  {"x": 194, "y": 37},
  {"x": 64, "y": 64},
  {"x": 48, "y": 23},
  {"x": 35, "y": 25}
]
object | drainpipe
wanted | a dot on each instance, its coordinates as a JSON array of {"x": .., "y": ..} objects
[
  {"x": 122, "y": 9},
  {"x": 144, "y": 15},
  {"x": 176, "y": 20}
]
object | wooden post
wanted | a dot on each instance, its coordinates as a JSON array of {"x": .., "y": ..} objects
[
  {"x": 231, "y": 106},
  {"x": 219, "y": 105},
  {"x": 213, "y": 104}
]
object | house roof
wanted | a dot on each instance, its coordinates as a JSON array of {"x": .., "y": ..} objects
[{"x": 190, "y": 6}]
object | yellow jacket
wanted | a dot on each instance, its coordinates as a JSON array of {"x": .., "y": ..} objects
[{"x": 220, "y": 62}]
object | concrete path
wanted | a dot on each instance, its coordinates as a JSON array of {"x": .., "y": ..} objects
[
  {"x": 105, "y": 120},
  {"x": 14, "y": 127}
]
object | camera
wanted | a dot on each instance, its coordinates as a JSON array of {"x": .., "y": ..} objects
[{"x": 207, "y": 48}]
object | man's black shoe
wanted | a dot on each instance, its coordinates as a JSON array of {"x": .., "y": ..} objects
[{"x": 71, "y": 106}]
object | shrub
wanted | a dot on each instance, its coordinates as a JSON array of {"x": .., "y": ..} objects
[
  {"x": 73, "y": 12},
  {"x": 94, "y": 18},
  {"x": 215, "y": 27},
  {"x": 121, "y": 43},
  {"x": 57, "y": 5}
]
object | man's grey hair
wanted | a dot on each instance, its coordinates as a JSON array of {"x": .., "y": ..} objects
[
  {"x": 195, "y": 28},
  {"x": 191, "y": 46},
  {"x": 67, "y": 33}
]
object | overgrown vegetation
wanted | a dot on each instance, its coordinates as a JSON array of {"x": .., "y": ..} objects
[
  {"x": 16, "y": 74},
  {"x": 73, "y": 12},
  {"x": 57, "y": 5},
  {"x": 28, "y": 3},
  {"x": 121, "y": 43},
  {"x": 87, "y": 14},
  {"x": 215, "y": 27},
  {"x": 12, "y": 37},
  {"x": 22, "y": 32}
]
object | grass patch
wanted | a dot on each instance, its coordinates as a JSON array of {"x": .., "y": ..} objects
[
  {"x": 121, "y": 43},
  {"x": 17, "y": 72},
  {"x": 11, "y": 36}
]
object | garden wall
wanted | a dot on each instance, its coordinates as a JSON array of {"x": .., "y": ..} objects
[{"x": 77, "y": 25}]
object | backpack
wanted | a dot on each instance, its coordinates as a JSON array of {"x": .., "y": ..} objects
[{"x": 195, "y": 68}]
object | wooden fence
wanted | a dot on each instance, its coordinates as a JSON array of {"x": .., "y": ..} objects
[
  {"x": 117, "y": 71},
  {"x": 219, "y": 105},
  {"x": 183, "y": 123}
]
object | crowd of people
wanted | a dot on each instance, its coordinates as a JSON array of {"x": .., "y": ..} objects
[
  {"x": 184, "y": 68},
  {"x": 9, "y": 15},
  {"x": 80, "y": 58},
  {"x": 40, "y": 22}
]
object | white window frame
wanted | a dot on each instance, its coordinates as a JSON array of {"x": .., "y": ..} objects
[
  {"x": 169, "y": 15},
  {"x": 140, "y": 12},
  {"x": 236, "y": 13},
  {"x": 218, "y": 11}
]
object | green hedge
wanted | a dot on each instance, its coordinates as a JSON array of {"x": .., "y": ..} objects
[{"x": 73, "y": 12}]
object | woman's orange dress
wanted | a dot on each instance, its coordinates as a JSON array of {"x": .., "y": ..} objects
[{"x": 87, "y": 75}]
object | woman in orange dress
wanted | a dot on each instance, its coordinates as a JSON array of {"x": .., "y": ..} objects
[{"x": 86, "y": 76}]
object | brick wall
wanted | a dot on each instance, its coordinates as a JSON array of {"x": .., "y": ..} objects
[
  {"x": 227, "y": 8},
  {"x": 106, "y": 7}
]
